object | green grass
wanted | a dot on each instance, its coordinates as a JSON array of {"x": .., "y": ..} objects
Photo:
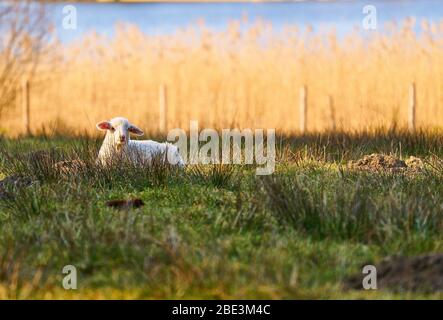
[{"x": 216, "y": 231}]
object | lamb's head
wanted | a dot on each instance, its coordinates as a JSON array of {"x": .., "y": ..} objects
[
  {"x": 118, "y": 131},
  {"x": 173, "y": 155}
]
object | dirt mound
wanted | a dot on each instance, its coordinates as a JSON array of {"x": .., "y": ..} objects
[
  {"x": 415, "y": 274},
  {"x": 69, "y": 167},
  {"x": 382, "y": 162},
  {"x": 415, "y": 163}
]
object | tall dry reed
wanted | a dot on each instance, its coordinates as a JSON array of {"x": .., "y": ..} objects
[{"x": 248, "y": 75}]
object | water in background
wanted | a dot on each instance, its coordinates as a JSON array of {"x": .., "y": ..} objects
[{"x": 165, "y": 18}]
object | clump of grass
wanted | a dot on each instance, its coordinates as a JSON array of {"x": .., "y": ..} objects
[
  {"x": 344, "y": 146},
  {"x": 16, "y": 277},
  {"x": 129, "y": 174},
  {"x": 77, "y": 163},
  {"x": 215, "y": 175},
  {"x": 359, "y": 209},
  {"x": 291, "y": 202},
  {"x": 35, "y": 164}
]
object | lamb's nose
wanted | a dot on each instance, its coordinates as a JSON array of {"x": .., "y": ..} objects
[{"x": 122, "y": 139}]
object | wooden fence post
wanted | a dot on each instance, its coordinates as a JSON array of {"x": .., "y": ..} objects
[
  {"x": 162, "y": 108},
  {"x": 303, "y": 108},
  {"x": 412, "y": 106},
  {"x": 332, "y": 113},
  {"x": 26, "y": 107}
]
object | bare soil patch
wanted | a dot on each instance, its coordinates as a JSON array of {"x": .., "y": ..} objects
[
  {"x": 414, "y": 274},
  {"x": 125, "y": 204}
]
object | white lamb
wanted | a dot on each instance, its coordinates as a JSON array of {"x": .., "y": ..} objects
[{"x": 118, "y": 145}]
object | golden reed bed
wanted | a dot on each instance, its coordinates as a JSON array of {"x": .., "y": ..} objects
[{"x": 246, "y": 76}]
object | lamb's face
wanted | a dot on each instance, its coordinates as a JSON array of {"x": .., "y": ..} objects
[
  {"x": 173, "y": 156},
  {"x": 119, "y": 130}
]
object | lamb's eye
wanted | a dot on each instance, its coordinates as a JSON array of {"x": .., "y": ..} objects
[{"x": 112, "y": 129}]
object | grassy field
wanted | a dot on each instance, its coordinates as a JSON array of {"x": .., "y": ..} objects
[{"x": 217, "y": 231}]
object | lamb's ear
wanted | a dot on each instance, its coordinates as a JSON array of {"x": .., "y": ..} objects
[
  {"x": 104, "y": 125},
  {"x": 135, "y": 130}
]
